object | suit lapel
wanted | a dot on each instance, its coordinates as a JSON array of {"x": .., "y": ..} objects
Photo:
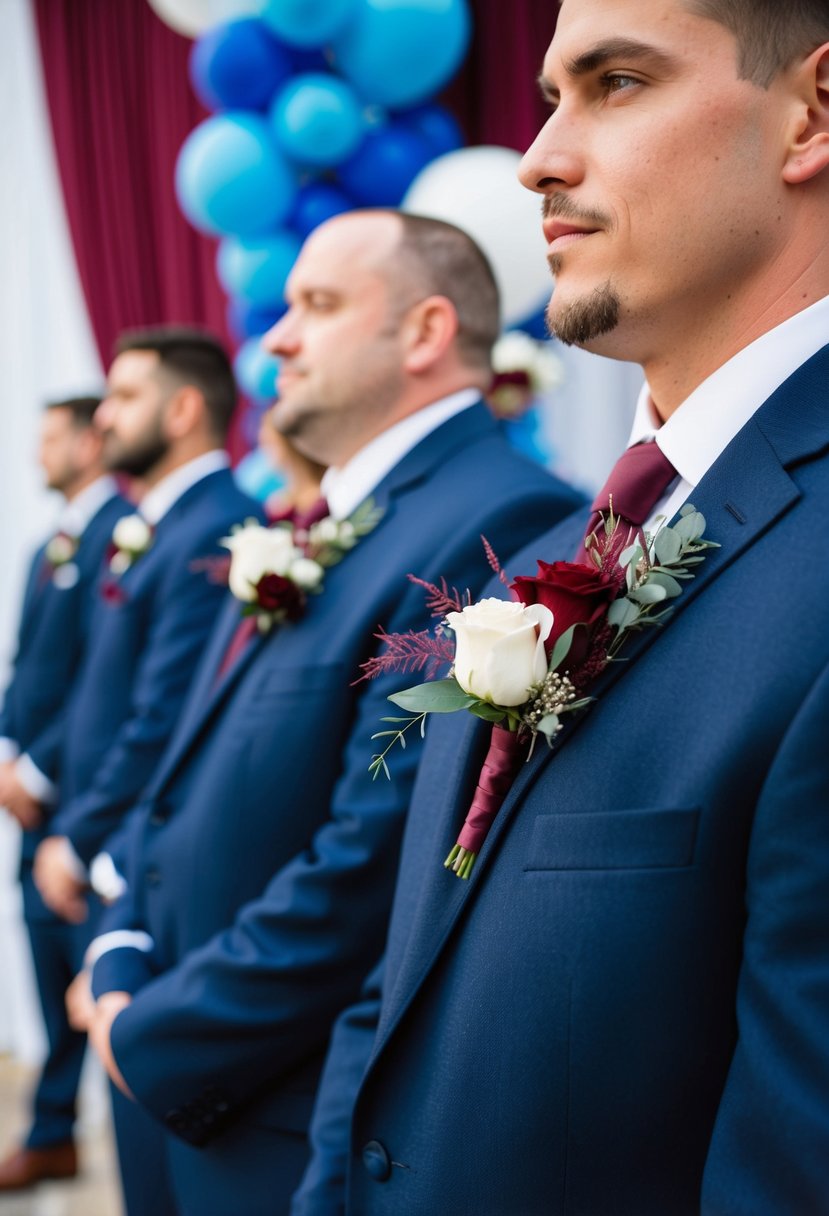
[{"x": 743, "y": 495}]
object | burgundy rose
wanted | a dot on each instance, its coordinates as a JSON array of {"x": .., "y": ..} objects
[
  {"x": 277, "y": 594},
  {"x": 112, "y": 592},
  {"x": 575, "y": 594}
]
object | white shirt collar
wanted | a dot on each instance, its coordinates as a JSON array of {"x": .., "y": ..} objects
[
  {"x": 77, "y": 514},
  {"x": 346, "y": 487},
  {"x": 157, "y": 502},
  {"x": 700, "y": 430}
]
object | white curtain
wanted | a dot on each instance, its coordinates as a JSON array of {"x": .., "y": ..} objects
[{"x": 46, "y": 350}]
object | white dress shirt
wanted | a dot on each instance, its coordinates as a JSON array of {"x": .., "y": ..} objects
[
  {"x": 700, "y": 430},
  {"x": 346, "y": 487},
  {"x": 165, "y": 494}
]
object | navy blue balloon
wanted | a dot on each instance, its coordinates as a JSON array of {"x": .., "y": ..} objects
[
  {"x": 230, "y": 177},
  {"x": 397, "y": 53},
  {"x": 535, "y": 325},
  {"x": 309, "y": 59},
  {"x": 316, "y": 203},
  {"x": 257, "y": 269},
  {"x": 246, "y": 320},
  {"x": 385, "y": 165},
  {"x": 317, "y": 119},
  {"x": 238, "y": 64},
  {"x": 436, "y": 125}
]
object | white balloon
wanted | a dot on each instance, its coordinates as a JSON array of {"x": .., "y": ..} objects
[
  {"x": 193, "y": 17},
  {"x": 478, "y": 190}
]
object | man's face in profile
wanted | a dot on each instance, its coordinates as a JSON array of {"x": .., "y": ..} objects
[{"x": 660, "y": 174}]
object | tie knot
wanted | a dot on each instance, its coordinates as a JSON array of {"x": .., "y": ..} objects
[{"x": 637, "y": 481}]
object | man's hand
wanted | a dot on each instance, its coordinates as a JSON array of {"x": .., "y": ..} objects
[
  {"x": 57, "y": 881},
  {"x": 80, "y": 1004},
  {"x": 18, "y": 801},
  {"x": 107, "y": 1008}
]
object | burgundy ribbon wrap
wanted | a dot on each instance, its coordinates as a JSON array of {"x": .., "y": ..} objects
[{"x": 507, "y": 751}]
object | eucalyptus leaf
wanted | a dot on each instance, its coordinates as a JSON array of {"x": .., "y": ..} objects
[
  {"x": 630, "y": 555},
  {"x": 481, "y": 709},
  {"x": 648, "y": 593},
  {"x": 690, "y": 527},
  {"x": 438, "y": 697},
  {"x": 548, "y": 726},
  {"x": 667, "y": 546},
  {"x": 667, "y": 581},
  {"x": 562, "y": 648},
  {"x": 622, "y": 613}
]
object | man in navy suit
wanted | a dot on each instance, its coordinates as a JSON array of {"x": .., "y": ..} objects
[
  {"x": 263, "y": 859},
  {"x": 54, "y": 631},
  {"x": 170, "y": 397},
  {"x": 625, "y": 1009}
]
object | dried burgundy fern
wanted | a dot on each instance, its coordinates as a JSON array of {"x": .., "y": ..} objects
[
  {"x": 443, "y": 599},
  {"x": 409, "y": 652}
]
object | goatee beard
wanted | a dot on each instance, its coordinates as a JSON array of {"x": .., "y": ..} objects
[{"x": 580, "y": 322}]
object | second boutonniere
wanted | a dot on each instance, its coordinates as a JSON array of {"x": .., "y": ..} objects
[
  {"x": 524, "y": 664},
  {"x": 132, "y": 536},
  {"x": 274, "y": 569}
]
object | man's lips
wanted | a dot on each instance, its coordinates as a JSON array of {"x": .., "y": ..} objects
[{"x": 559, "y": 233}]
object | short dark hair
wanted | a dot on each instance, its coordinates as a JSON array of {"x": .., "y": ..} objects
[
  {"x": 440, "y": 259},
  {"x": 770, "y": 34},
  {"x": 191, "y": 357},
  {"x": 82, "y": 409}
]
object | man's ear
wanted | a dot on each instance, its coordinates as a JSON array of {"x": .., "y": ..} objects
[
  {"x": 808, "y": 149},
  {"x": 185, "y": 410},
  {"x": 428, "y": 331}
]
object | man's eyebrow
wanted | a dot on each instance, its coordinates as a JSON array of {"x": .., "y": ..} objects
[{"x": 627, "y": 49}]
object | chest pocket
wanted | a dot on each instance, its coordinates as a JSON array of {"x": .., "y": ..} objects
[{"x": 614, "y": 840}]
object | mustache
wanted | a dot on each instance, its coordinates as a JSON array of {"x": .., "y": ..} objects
[{"x": 560, "y": 206}]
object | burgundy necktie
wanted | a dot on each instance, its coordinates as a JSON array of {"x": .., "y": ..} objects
[{"x": 636, "y": 483}]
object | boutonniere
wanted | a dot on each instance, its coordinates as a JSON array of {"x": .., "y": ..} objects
[
  {"x": 61, "y": 549},
  {"x": 131, "y": 537},
  {"x": 524, "y": 664},
  {"x": 274, "y": 570}
]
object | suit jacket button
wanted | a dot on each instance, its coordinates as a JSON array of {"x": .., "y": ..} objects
[
  {"x": 152, "y": 878},
  {"x": 376, "y": 1160}
]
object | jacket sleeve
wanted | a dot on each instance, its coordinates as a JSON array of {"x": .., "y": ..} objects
[
  {"x": 769, "y": 1153},
  {"x": 184, "y": 614}
]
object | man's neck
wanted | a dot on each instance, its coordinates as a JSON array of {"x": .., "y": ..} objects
[
  {"x": 81, "y": 483},
  {"x": 171, "y": 461}
]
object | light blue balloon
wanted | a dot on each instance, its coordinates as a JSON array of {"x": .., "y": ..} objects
[
  {"x": 308, "y": 22},
  {"x": 257, "y": 268},
  {"x": 230, "y": 177},
  {"x": 256, "y": 370},
  {"x": 317, "y": 120},
  {"x": 397, "y": 53}
]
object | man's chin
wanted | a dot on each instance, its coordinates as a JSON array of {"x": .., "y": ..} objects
[{"x": 579, "y": 320}]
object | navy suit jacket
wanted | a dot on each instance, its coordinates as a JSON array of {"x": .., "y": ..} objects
[
  {"x": 626, "y": 1008},
  {"x": 54, "y": 631},
  {"x": 264, "y": 862},
  {"x": 149, "y": 630}
]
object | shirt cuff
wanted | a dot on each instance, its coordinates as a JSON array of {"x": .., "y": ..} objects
[
  {"x": 105, "y": 879},
  {"x": 8, "y": 749},
  {"x": 119, "y": 939},
  {"x": 34, "y": 782}
]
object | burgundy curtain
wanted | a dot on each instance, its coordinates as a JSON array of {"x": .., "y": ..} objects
[{"x": 121, "y": 105}]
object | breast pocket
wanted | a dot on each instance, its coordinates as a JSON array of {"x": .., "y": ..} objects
[{"x": 614, "y": 840}]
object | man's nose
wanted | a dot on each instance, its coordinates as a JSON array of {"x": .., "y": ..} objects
[
  {"x": 556, "y": 156},
  {"x": 283, "y": 337}
]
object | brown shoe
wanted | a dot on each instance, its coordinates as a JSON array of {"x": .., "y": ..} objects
[{"x": 26, "y": 1166}]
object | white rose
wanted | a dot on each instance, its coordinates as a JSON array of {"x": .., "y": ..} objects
[
  {"x": 499, "y": 649},
  {"x": 306, "y": 573},
  {"x": 257, "y": 551},
  {"x": 61, "y": 548},
  {"x": 132, "y": 534}
]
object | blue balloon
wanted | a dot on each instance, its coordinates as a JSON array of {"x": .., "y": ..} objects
[
  {"x": 385, "y": 165},
  {"x": 437, "y": 126},
  {"x": 309, "y": 59},
  {"x": 254, "y": 473},
  {"x": 257, "y": 269},
  {"x": 239, "y": 64},
  {"x": 316, "y": 203},
  {"x": 246, "y": 320},
  {"x": 230, "y": 178},
  {"x": 308, "y": 22},
  {"x": 317, "y": 120},
  {"x": 256, "y": 370},
  {"x": 399, "y": 52}
]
